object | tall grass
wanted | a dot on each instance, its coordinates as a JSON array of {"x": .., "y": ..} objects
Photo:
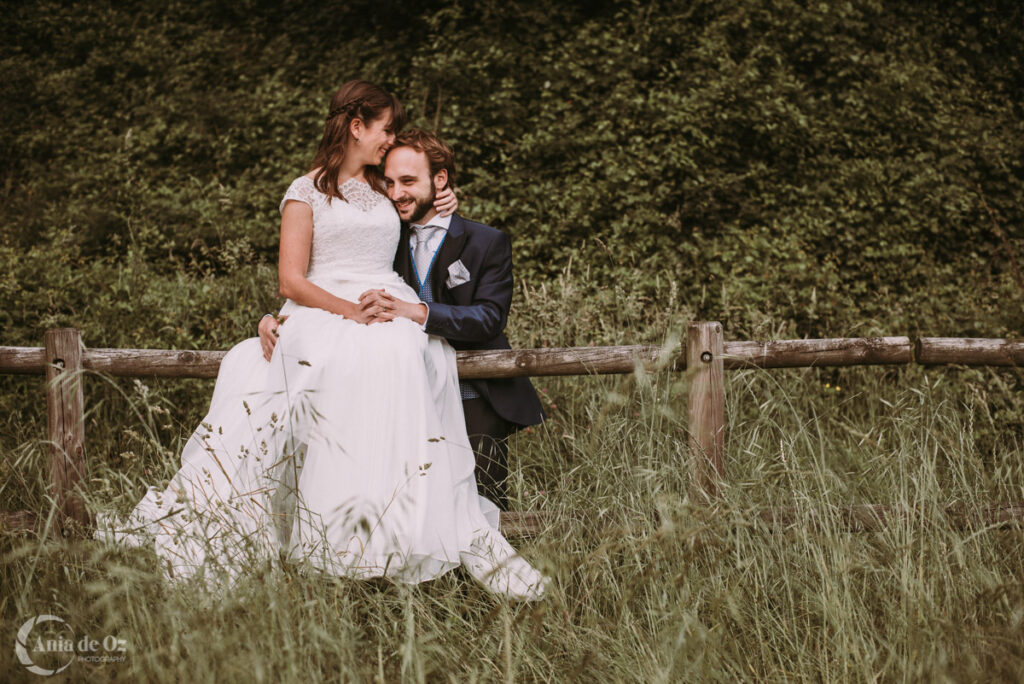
[{"x": 648, "y": 586}]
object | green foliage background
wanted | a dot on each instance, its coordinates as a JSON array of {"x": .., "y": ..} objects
[
  {"x": 825, "y": 166},
  {"x": 788, "y": 168}
]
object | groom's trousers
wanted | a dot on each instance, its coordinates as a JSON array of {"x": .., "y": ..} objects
[{"x": 488, "y": 435}]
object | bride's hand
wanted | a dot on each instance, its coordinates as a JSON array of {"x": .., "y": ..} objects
[
  {"x": 446, "y": 202},
  {"x": 267, "y": 331},
  {"x": 360, "y": 314},
  {"x": 384, "y": 307}
]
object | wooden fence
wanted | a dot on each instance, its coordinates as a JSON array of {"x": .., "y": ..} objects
[{"x": 704, "y": 356}]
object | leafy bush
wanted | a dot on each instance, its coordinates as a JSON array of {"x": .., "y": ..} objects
[{"x": 832, "y": 166}]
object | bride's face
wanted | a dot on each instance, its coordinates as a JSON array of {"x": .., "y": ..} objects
[{"x": 374, "y": 139}]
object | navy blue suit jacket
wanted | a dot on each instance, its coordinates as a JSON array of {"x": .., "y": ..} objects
[{"x": 472, "y": 315}]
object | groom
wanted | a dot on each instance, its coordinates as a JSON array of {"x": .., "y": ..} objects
[{"x": 462, "y": 271}]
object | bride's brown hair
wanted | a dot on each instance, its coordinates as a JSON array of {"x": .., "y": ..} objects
[{"x": 354, "y": 100}]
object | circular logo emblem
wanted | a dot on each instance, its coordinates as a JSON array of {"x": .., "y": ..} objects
[{"x": 48, "y": 649}]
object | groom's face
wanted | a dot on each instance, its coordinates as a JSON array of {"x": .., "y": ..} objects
[{"x": 410, "y": 187}]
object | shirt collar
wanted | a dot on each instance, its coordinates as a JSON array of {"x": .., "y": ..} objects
[{"x": 442, "y": 222}]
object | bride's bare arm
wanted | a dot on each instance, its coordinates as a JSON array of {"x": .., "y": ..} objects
[{"x": 296, "y": 241}]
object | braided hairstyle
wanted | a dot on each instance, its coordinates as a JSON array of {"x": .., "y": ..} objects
[{"x": 354, "y": 100}]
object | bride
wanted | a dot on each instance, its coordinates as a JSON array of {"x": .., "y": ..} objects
[{"x": 348, "y": 451}]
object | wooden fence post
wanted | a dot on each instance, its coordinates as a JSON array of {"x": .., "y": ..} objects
[
  {"x": 65, "y": 422},
  {"x": 705, "y": 373}
]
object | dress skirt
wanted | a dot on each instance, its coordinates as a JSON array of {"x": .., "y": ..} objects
[{"x": 347, "y": 451}]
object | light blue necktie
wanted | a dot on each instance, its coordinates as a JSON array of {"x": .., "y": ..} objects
[{"x": 422, "y": 254}]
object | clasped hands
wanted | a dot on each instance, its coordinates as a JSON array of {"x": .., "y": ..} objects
[
  {"x": 377, "y": 306},
  {"x": 374, "y": 306}
]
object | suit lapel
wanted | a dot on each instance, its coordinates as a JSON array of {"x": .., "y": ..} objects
[{"x": 448, "y": 254}]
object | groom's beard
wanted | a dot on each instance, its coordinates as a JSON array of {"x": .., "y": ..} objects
[{"x": 423, "y": 206}]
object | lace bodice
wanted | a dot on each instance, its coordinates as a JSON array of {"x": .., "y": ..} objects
[{"x": 352, "y": 238}]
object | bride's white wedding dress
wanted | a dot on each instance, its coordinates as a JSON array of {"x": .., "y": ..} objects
[{"x": 347, "y": 451}]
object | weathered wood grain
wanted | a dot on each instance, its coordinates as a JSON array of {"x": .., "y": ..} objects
[
  {"x": 862, "y": 351},
  {"x": 564, "y": 361},
  {"x": 23, "y": 360},
  {"x": 171, "y": 363},
  {"x": 706, "y": 408},
  {"x": 65, "y": 420},
  {"x": 969, "y": 351},
  {"x": 472, "y": 364},
  {"x": 855, "y": 351}
]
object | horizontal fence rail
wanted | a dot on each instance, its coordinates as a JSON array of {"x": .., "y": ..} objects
[
  {"x": 553, "y": 361},
  {"x": 969, "y": 352},
  {"x": 703, "y": 356}
]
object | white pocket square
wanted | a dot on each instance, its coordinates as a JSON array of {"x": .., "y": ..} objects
[{"x": 457, "y": 274}]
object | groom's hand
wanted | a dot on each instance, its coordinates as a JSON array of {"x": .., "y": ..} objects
[
  {"x": 378, "y": 305},
  {"x": 383, "y": 307}
]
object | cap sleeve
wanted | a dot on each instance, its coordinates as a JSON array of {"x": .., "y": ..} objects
[{"x": 302, "y": 189}]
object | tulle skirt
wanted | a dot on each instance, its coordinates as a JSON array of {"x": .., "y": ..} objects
[{"x": 347, "y": 452}]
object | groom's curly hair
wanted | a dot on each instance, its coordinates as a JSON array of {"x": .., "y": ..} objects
[{"x": 439, "y": 154}]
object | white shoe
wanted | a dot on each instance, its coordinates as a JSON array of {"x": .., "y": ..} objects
[{"x": 493, "y": 562}]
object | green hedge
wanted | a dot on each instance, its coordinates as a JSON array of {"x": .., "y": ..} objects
[{"x": 834, "y": 168}]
